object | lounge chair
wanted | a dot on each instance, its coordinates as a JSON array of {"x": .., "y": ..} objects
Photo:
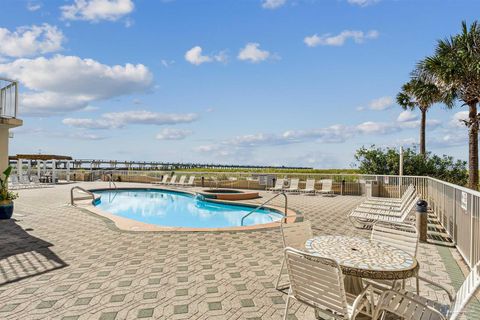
[
  {"x": 294, "y": 235},
  {"x": 293, "y": 186},
  {"x": 408, "y": 305},
  {"x": 191, "y": 182},
  {"x": 318, "y": 282},
  {"x": 393, "y": 201},
  {"x": 181, "y": 182},
  {"x": 309, "y": 187},
  {"x": 164, "y": 180},
  {"x": 386, "y": 208},
  {"x": 327, "y": 185},
  {"x": 278, "y": 185},
  {"x": 361, "y": 219},
  {"x": 172, "y": 180}
]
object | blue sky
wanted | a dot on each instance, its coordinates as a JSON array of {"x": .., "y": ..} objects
[{"x": 272, "y": 82}]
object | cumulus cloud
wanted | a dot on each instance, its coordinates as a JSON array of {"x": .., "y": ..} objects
[
  {"x": 29, "y": 41},
  {"x": 406, "y": 116},
  {"x": 173, "y": 134},
  {"x": 459, "y": 118},
  {"x": 66, "y": 83},
  {"x": 340, "y": 39},
  {"x": 114, "y": 120},
  {"x": 363, "y": 3},
  {"x": 195, "y": 56},
  {"x": 381, "y": 103},
  {"x": 97, "y": 10},
  {"x": 273, "y": 4},
  {"x": 252, "y": 52}
]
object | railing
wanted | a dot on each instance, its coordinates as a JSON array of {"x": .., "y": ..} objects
[
  {"x": 263, "y": 205},
  {"x": 72, "y": 199},
  {"x": 8, "y": 98}
]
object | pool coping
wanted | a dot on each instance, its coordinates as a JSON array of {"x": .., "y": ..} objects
[{"x": 126, "y": 224}]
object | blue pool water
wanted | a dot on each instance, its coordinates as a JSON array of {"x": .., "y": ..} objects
[{"x": 176, "y": 209}]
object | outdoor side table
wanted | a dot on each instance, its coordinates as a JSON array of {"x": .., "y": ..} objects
[{"x": 362, "y": 258}]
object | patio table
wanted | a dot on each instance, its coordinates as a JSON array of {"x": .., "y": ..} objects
[{"x": 362, "y": 258}]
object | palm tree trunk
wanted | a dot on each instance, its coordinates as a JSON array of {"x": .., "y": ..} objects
[
  {"x": 423, "y": 125},
  {"x": 473, "y": 147}
]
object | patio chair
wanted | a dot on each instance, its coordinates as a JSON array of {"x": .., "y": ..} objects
[
  {"x": 361, "y": 219},
  {"x": 181, "y": 181},
  {"x": 293, "y": 186},
  {"x": 172, "y": 180},
  {"x": 309, "y": 187},
  {"x": 399, "y": 235},
  {"x": 294, "y": 235},
  {"x": 278, "y": 185},
  {"x": 327, "y": 185},
  {"x": 190, "y": 182},
  {"x": 388, "y": 204},
  {"x": 318, "y": 283},
  {"x": 409, "y": 305},
  {"x": 386, "y": 209},
  {"x": 164, "y": 180},
  {"x": 383, "y": 200}
]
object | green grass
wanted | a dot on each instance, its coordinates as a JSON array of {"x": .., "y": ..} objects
[{"x": 273, "y": 170}]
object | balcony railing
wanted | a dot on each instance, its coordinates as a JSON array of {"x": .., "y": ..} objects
[{"x": 8, "y": 98}]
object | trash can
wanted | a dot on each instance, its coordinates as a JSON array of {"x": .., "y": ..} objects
[{"x": 422, "y": 220}]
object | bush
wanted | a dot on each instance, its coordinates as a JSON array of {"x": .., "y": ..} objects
[{"x": 376, "y": 160}]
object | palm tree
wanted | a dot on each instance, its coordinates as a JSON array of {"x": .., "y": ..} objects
[
  {"x": 421, "y": 94},
  {"x": 455, "y": 68}
]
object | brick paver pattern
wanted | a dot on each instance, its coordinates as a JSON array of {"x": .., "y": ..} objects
[{"x": 61, "y": 262}]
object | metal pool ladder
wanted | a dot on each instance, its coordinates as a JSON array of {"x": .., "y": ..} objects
[
  {"x": 263, "y": 205},
  {"x": 72, "y": 199}
]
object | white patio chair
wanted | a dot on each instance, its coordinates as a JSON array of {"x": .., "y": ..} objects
[
  {"x": 164, "y": 180},
  {"x": 190, "y": 182},
  {"x": 181, "y": 181},
  {"x": 386, "y": 209},
  {"x": 399, "y": 235},
  {"x": 386, "y": 204},
  {"x": 294, "y": 235},
  {"x": 327, "y": 185},
  {"x": 293, "y": 186},
  {"x": 172, "y": 180},
  {"x": 278, "y": 185},
  {"x": 409, "y": 305},
  {"x": 318, "y": 283},
  {"x": 309, "y": 187},
  {"x": 386, "y": 201}
]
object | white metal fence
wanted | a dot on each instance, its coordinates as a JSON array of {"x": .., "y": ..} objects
[{"x": 8, "y": 98}]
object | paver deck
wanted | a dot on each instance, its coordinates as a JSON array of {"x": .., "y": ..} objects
[{"x": 62, "y": 262}]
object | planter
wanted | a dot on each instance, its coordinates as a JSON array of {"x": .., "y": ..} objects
[{"x": 6, "y": 210}]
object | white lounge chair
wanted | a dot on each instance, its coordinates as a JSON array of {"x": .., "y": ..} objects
[
  {"x": 318, "y": 283},
  {"x": 408, "y": 305},
  {"x": 294, "y": 235},
  {"x": 191, "y": 182},
  {"x": 172, "y": 180},
  {"x": 278, "y": 185},
  {"x": 309, "y": 187},
  {"x": 164, "y": 180},
  {"x": 181, "y": 181},
  {"x": 293, "y": 186},
  {"x": 386, "y": 209},
  {"x": 327, "y": 187},
  {"x": 361, "y": 219},
  {"x": 383, "y": 200}
]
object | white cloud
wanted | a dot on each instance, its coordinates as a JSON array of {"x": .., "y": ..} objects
[
  {"x": 34, "y": 6},
  {"x": 273, "y": 4},
  {"x": 459, "y": 118},
  {"x": 195, "y": 56},
  {"x": 340, "y": 39},
  {"x": 363, "y": 3},
  {"x": 29, "y": 41},
  {"x": 97, "y": 10},
  {"x": 113, "y": 120},
  {"x": 173, "y": 134},
  {"x": 66, "y": 83},
  {"x": 167, "y": 63},
  {"x": 406, "y": 116},
  {"x": 251, "y": 52},
  {"x": 381, "y": 103}
]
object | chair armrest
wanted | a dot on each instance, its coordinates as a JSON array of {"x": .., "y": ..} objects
[
  {"x": 450, "y": 295},
  {"x": 384, "y": 305},
  {"x": 361, "y": 296}
]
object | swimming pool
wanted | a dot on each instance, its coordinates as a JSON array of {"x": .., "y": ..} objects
[{"x": 177, "y": 209}]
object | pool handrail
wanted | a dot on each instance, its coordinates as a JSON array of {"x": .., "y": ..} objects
[
  {"x": 72, "y": 199},
  {"x": 263, "y": 205}
]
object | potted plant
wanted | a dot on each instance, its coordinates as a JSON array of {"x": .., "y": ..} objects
[{"x": 6, "y": 197}]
